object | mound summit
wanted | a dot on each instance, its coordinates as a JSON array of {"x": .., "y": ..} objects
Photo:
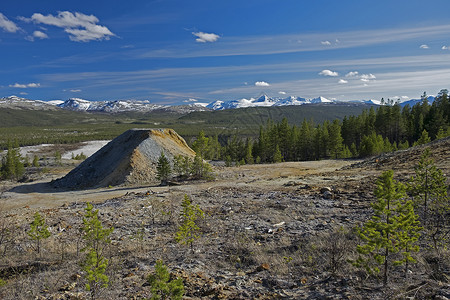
[{"x": 130, "y": 158}]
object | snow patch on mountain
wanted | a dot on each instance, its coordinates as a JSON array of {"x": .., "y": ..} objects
[
  {"x": 265, "y": 101},
  {"x": 117, "y": 106},
  {"x": 16, "y": 102},
  {"x": 78, "y": 104}
]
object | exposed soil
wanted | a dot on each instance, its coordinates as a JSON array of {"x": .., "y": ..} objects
[{"x": 257, "y": 218}]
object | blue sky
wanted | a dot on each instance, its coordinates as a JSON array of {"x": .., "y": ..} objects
[{"x": 175, "y": 52}]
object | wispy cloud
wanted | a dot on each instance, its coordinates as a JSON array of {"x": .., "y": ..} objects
[
  {"x": 8, "y": 25},
  {"x": 394, "y": 75},
  {"x": 203, "y": 37},
  {"x": 25, "y": 86},
  {"x": 326, "y": 43},
  {"x": 80, "y": 27},
  {"x": 328, "y": 73},
  {"x": 342, "y": 81},
  {"x": 288, "y": 43},
  {"x": 367, "y": 77},
  {"x": 424, "y": 46},
  {"x": 352, "y": 74}
]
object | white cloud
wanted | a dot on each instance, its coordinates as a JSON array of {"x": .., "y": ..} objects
[
  {"x": 445, "y": 48},
  {"x": 424, "y": 46},
  {"x": 282, "y": 93},
  {"x": 75, "y": 91},
  {"x": 326, "y": 43},
  {"x": 328, "y": 73},
  {"x": 352, "y": 74},
  {"x": 25, "y": 86},
  {"x": 190, "y": 100},
  {"x": 343, "y": 81},
  {"x": 39, "y": 34},
  {"x": 261, "y": 83},
  {"x": 8, "y": 25},
  {"x": 405, "y": 97},
  {"x": 367, "y": 77},
  {"x": 203, "y": 37},
  {"x": 80, "y": 27}
]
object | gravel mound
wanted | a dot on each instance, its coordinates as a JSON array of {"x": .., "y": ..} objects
[{"x": 130, "y": 158}]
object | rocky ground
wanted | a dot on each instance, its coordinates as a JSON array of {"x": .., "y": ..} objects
[{"x": 279, "y": 231}]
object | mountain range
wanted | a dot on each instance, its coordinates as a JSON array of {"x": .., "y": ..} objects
[{"x": 116, "y": 106}]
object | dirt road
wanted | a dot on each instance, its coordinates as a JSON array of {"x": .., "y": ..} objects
[{"x": 40, "y": 195}]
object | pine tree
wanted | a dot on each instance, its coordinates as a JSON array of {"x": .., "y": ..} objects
[
  {"x": 12, "y": 164},
  {"x": 188, "y": 231},
  {"x": 408, "y": 234},
  {"x": 392, "y": 228},
  {"x": 277, "y": 157},
  {"x": 162, "y": 287},
  {"x": 38, "y": 231},
  {"x": 201, "y": 169},
  {"x": 429, "y": 190},
  {"x": 248, "y": 153},
  {"x": 200, "y": 145},
  {"x": 182, "y": 166},
  {"x": 96, "y": 238},
  {"x": 335, "y": 139},
  {"x": 35, "y": 161},
  {"x": 428, "y": 185},
  {"x": 163, "y": 169},
  {"x": 214, "y": 148},
  {"x": 424, "y": 139}
]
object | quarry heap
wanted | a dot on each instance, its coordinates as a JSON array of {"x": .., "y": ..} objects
[{"x": 130, "y": 158}]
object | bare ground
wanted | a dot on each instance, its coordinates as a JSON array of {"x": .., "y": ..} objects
[{"x": 257, "y": 218}]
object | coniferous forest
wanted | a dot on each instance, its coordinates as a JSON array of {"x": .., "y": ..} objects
[{"x": 386, "y": 128}]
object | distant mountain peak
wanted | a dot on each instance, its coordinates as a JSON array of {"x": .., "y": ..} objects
[
  {"x": 116, "y": 106},
  {"x": 264, "y": 100}
]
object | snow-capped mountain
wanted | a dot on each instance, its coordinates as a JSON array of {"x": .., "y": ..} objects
[
  {"x": 22, "y": 103},
  {"x": 108, "y": 106},
  {"x": 320, "y": 100},
  {"x": 265, "y": 101},
  {"x": 291, "y": 100},
  {"x": 412, "y": 102},
  {"x": 117, "y": 106}
]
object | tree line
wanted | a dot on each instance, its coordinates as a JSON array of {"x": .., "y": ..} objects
[{"x": 386, "y": 128}]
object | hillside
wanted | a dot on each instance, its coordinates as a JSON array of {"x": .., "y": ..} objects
[
  {"x": 257, "y": 218},
  {"x": 255, "y": 116}
]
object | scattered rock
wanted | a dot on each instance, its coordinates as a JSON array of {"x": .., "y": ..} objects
[{"x": 327, "y": 195}]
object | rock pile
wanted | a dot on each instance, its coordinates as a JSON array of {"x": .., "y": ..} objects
[{"x": 130, "y": 158}]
